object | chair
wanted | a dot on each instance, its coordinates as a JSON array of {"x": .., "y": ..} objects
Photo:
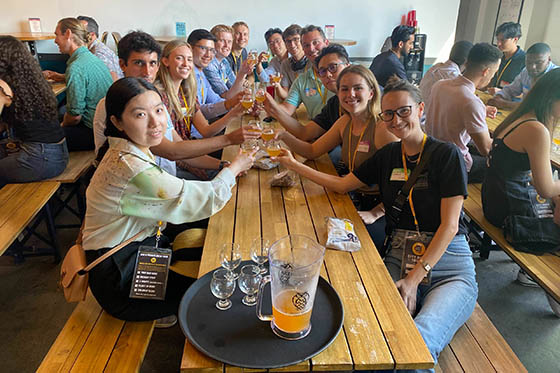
[
  {"x": 104, "y": 37},
  {"x": 116, "y": 37}
]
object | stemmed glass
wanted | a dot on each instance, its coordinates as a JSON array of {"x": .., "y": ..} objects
[
  {"x": 255, "y": 126},
  {"x": 267, "y": 132},
  {"x": 230, "y": 257},
  {"x": 273, "y": 148},
  {"x": 247, "y": 101},
  {"x": 222, "y": 287},
  {"x": 260, "y": 93},
  {"x": 259, "y": 252},
  {"x": 249, "y": 281}
]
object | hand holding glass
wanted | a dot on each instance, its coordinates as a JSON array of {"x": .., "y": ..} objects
[{"x": 222, "y": 287}]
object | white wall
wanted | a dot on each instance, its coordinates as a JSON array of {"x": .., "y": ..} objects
[{"x": 368, "y": 22}]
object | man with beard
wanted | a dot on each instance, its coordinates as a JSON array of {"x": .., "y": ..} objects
[
  {"x": 388, "y": 63},
  {"x": 537, "y": 63}
]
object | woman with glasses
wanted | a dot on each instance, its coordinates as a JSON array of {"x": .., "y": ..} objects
[
  {"x": 36, "y": 146},
  {"x": 430, "y": 224},
  {"x": 177, "y": 85},
  {"x": 357, "y": 130}
]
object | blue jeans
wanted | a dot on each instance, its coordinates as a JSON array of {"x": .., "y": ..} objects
[
  {"x": 35, "y": 161},
  {"x": 445, "y": 305}
]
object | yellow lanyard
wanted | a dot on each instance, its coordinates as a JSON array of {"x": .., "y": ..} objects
[
  {"x": 406, "y": 179},
  {"x": 323, "y": 97},
  {"x": 235, "y": 65},
  {"x": 201, "y": 90},
  {"x": 158, "y": 234},
  {"x": 352, "y": 161},
  {"x": 503, "y": 71},
  {"x": 186, "y": 118}
]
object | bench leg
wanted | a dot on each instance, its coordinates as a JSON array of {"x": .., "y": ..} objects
[
  {"x": 52, "y": 232},
  {"x": 485, "y": 247}
]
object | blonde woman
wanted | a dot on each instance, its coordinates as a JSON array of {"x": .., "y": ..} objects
[{"x": 87, "y": 81}]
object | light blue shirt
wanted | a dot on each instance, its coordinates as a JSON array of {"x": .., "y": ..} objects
[
  {"x": 220, "y": 75},
  {"x": 306, "y": 89},
  {"x": 211, "y": 104},
  {"x": 274, "y": 66},
  {"x": 520, "y": 85}
]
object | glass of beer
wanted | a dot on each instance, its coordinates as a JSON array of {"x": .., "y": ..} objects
[
  {"x": 252, "y": 57},
  {"x": 267, "y": 133},
  {"x": 295, "y": 264},
  {"x": 273, "y": 148},
  {"x": 259, "y": 95},
  {"x": 247, "y": 102},
  {"x": 275, "y": 77},
  {"x": 255, "y": 126}
]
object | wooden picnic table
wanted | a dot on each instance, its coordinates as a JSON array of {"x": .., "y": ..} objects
[
  {"x": 58, "y": 88},
  {"x": 31, "y": 37},
  {"x": 502, "y": 114},
  {"x": 378, "y": 331}
]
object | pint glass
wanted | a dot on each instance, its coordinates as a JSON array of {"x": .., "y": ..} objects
[{"x": 295, "y": 263}]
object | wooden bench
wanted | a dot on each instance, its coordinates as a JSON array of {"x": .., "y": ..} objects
[
  {"x": 92, "y": 340},
  {"x": 78, "y": 165},
  {"x": 544, "y": 269},
  {"x": 478, "y": 347},
  {"x": 19, "y": 205}
]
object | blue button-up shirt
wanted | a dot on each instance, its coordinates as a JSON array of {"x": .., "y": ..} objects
[
  {"x": 211, "y": 104},
  {"x": 220, "y": 75}
]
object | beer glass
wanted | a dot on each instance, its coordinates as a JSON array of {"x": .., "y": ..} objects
[
  {"x": 249, "y": 281},
  {"x": 222, "y": 287},
  {"x": 295, "y": 263},
  {"x": 273, "y": 148}
]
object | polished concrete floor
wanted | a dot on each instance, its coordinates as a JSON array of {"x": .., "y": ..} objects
[{"x": 33, "y": 311}]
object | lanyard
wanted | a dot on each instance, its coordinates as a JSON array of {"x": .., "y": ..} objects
[
  {"x": 186, "y": 118},
  {"x": 406, "y": 179},
  {"x": 503, "y": 71},
  {"x": 352, "y": 161},
  {"x": 235, "y": 65},
  {"x": 158, "y": 234},
  {"x": 201, "y": 89},
  {"x": 323, "y": 97}
]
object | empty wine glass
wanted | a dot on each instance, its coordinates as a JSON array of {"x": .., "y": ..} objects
[
  {"x": 230, "y": 258},
  {"x": 222, "y": 287},
  {"x": 259, "y": 252},
  {"x": 249, "y": 281}
]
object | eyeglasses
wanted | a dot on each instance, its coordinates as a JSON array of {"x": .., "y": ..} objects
[
  {"x": 295, "y": 40},
  {"x": 332, "y": 68},
  {"x": 206, "y": 49},
  {"x": 402, "y": 112}
]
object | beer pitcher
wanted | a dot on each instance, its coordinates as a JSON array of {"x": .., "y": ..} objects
[{"x": 295, "y": 263}]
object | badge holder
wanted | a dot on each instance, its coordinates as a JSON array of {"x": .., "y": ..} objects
[
  {"x": 151, "y": 271},
  {"x": 415, "y": 246}
]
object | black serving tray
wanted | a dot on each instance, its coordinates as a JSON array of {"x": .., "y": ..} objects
[{"x": 237, "y": 337}]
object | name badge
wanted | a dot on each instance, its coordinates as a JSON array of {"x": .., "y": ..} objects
[
  {"x": 150, "y": 273},
  {"x": 310, "y": 92},
  {"x": 398, "y": 174},
  {"x": 414, "y": 249},
  {"x": 363, "y": 146}
]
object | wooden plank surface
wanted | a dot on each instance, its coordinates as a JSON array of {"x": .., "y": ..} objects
[
  {"x": 31, "y": 36},
  {"x": 19, "y": 204},
  {"x": 129, "y": 352},
  {"x": 58, "y": 88},
  {"x": 78, "y": 164}
]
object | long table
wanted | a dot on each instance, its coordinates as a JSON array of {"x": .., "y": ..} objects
[
  {"x": 502, "y": 114},
  {"x": 378, "y": 331}
]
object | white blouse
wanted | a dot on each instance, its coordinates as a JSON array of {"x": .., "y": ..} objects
[{"x": 129, "y": 192}]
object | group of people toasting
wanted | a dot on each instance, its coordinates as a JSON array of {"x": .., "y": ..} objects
[{"x": 158, "y": 129}]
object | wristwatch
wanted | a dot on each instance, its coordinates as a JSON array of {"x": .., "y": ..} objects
[{"x": 426, "y": 266}]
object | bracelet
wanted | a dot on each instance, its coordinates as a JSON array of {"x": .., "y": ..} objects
[{"x": 223, "y": 164}]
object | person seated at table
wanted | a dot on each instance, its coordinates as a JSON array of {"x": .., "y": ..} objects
[
  {"x": 449, "y": 69},
  {"x": 139, "y": 57},
  {"x": 87, "y": 81},
  {"x": 387, "y": 64},
  {"x": 307, "y": 87},
  {"x": 519, "y": 180},
  {"x": 130, "y": 194},
  {"x": 513, "y": 60},
  {"x": 203, "y": 51},
  {"x": 218, "y": 72},
  {"x": 358, "y": 131},
  {"x": 273, "y": 38},
  {"x": 177, "y": 87},
  {"x": 240, "y": 40},
  {"x": 37, "y": 148},
  {"x": 434, "y": 208},
  {"x": 457, "y": 115},
  {"x": 537, "y": 63},
  {"x": 99, "y": 49},
  {"x": 295, "y": 64}
]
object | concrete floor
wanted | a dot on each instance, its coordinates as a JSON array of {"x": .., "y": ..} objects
[{"x": 33, "y": 311}]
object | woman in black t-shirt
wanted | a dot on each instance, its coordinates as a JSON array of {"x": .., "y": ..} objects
[
  {"x": 36, "y": 148},
  {"x": 440, "y": 307}
]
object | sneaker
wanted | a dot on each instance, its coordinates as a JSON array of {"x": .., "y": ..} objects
[
  {"x": 524, "y": 279},
  {"x": 166, "y": 322},
  {"x": 554, "y": 305}
]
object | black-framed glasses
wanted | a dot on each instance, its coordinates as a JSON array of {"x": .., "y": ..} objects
[
  {"x": 205, "y": 49},
  {"x": 402, "y": 112},
  {"x": 332, "y": 68}
]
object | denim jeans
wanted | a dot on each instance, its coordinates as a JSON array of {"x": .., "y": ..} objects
[
  {"x": 35, "y": 161},
  {"x": 445, "y": 304}
]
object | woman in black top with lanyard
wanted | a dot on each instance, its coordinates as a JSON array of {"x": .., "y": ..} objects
[
  {"x": 36, "y": 147},
  {"x": 439, "y": 289}
]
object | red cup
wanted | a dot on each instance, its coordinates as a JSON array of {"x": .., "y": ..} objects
[{"x": 270, "y": 90}]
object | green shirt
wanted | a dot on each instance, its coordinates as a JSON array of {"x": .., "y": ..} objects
[
  {"x": 87, "y": 82},
  {"x": 305, "y": 89}
]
